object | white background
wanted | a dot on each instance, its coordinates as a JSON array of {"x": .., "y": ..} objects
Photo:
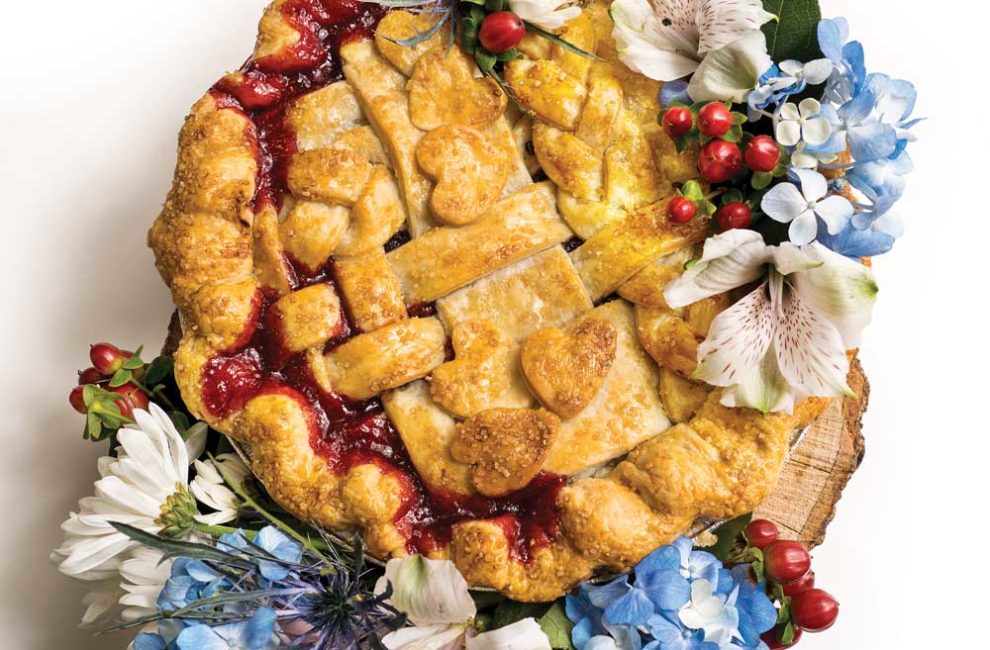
[{"x": 92, "y": 95}]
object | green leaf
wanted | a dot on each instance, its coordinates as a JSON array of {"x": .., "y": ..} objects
[
  {"x": 727, "y": 533},
  {"x": 761, "y": 180},
  {"x": 486, "y": 599},
  {"x": 120, "y": 378},
  {"x": 553, "y": 38},
  {"x": 794, "y": 35},
  {"x": 692, "y": 190},
  {"x": 557, "y": 627},
  {"x": 133, "y": 362},
  {"x": 735, "y": 134},
  {"x": 180, "y": 420},
  {"x": 177, "y": 548},
  {"x": 486, "y": 61},
  {"x": 158, "y": 370},
  {"x": 511, "y": 611},
  {"x": 94, "y": 428}
]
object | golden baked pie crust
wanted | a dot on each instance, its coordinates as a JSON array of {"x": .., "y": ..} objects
[{"x": 636, "y": 479}]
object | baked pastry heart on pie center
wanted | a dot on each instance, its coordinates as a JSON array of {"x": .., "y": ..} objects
[{"x": 377, "y": 291}]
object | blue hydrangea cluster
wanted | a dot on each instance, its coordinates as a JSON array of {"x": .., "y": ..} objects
[
  {"x": 870, "y": 118},
  {"x": 261, "y": 591},
  {"x": 677, "y": 598}
]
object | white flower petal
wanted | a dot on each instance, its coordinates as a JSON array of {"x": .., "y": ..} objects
[
  {"x": 835, "y": 211},
  {"x": 721, "y": 22},
  {"x": 123, "y": 496},
  {"x": 817, "y": 71},
  {"x": 809, "y": 107},
  {"x": 95, "y": 553},
  {"x": 738, "y": 339},
  {"x": 729, "y": 260},
  {"x": 429, "y": 592},
  {"x": 813, "y": 185},
  {"x": 817, "y": 131},
  {"x": 431, "y": 637},
  {"x": 810, "y": 352},
  {"x": 788, "y": 258},
  {"x": 544, "y": 13},
  {"x": 790, "y": 112},
  {"x": 842, "y": 290},
  {"x": 525, "y": 634},
  {"x": 196, "y": 440},
  {"x": 646, "y": 46},
  {"x": 801, "y": 159},
  {"x": 784, "y": 203},
  {"x": 791, "y": 67},
  {"x": 731, "y": 72},
  {"x": 803, "y": 229},
  {"x": 788, "y": 133},
  {"x": 763, "y": 389}
]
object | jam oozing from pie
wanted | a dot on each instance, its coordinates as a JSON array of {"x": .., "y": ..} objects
[
  {"x": 345, "y": 432},
  {"x": 264, "y": 87},
  {"x": 348, "y": 433}
]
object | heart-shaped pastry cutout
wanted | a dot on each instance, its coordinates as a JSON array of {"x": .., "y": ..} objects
[
  {"x": 505, "y": 447},
  {"x": 398, "y": 27},
  {"x": 444, "y": 90},
  {"x": 470, "y": 171},
  {"x": 566, "y": 368},
  {"x": 483, "y": 373}
]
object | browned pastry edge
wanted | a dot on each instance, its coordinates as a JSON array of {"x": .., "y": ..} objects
[{"x": 721, "y": 463}]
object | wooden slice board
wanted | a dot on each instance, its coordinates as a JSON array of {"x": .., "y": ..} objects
[
  {"x": 811, "y": 483},
  {"x": 812, "y": 480}
]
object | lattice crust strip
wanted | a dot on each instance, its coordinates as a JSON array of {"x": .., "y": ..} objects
[{"x": 536, "y": 360}]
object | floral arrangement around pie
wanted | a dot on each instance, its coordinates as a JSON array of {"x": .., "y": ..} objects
[{"x": 483, "y": 305}]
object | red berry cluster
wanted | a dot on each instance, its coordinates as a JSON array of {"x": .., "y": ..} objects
[
  {"x": 107, "y": 359},
  {"x": 721, "y": 159},
  {"x": 787, "y": 566}
]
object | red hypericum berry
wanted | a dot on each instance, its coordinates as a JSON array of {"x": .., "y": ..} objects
[
  {"x": 677, "y": 121},
  {"x": 720, "y": 161},
  {"x": 762, "y": 154},
  {"x": 131, "y": 397},
  {"x": 501, "y": 31},
  {"x": 90, "y": 376},
  {"x": 734, "y": 214},
  {"x": 714, "y": 120},
  {"x": 761, "y": 532},
  {"x": 772, "y": 639},
  {"x": 801, "y": 585},
  {"x": 786, "y": 561},
  {"x": 814, "y": 610},
  {"x": 106, "y": 358},
  {"x": 76, "y": 399},
  {"x": 681, "y": 210}
]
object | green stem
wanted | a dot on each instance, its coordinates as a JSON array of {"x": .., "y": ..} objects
[{"x": 278, "y": 523}]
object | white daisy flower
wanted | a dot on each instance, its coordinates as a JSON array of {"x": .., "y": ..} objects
[
  {"x": 146, "y": 486},
  {"x": 209, "y": 489},
  {"x": 144, "y": 575}
]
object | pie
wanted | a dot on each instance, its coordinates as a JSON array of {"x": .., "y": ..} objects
[{"x": 435, "y": 316}]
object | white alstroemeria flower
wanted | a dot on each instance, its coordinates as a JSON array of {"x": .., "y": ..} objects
[
  {"x": 434, "y": 596},
  {"x": 144, "y": 575},
  {"x": 731, "y": 73},
  {"x": 146, "y": 486},
  {"x": 546, "y": 14},
  {"x": 668, "y": 39},
  {"x": 786, "y": 340},
  {"x": 802, "y": 123},
  {"x": 210, "y": 489},
  {"x": 802, "y": 208},
  {"x": 706, "y": 611}
]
